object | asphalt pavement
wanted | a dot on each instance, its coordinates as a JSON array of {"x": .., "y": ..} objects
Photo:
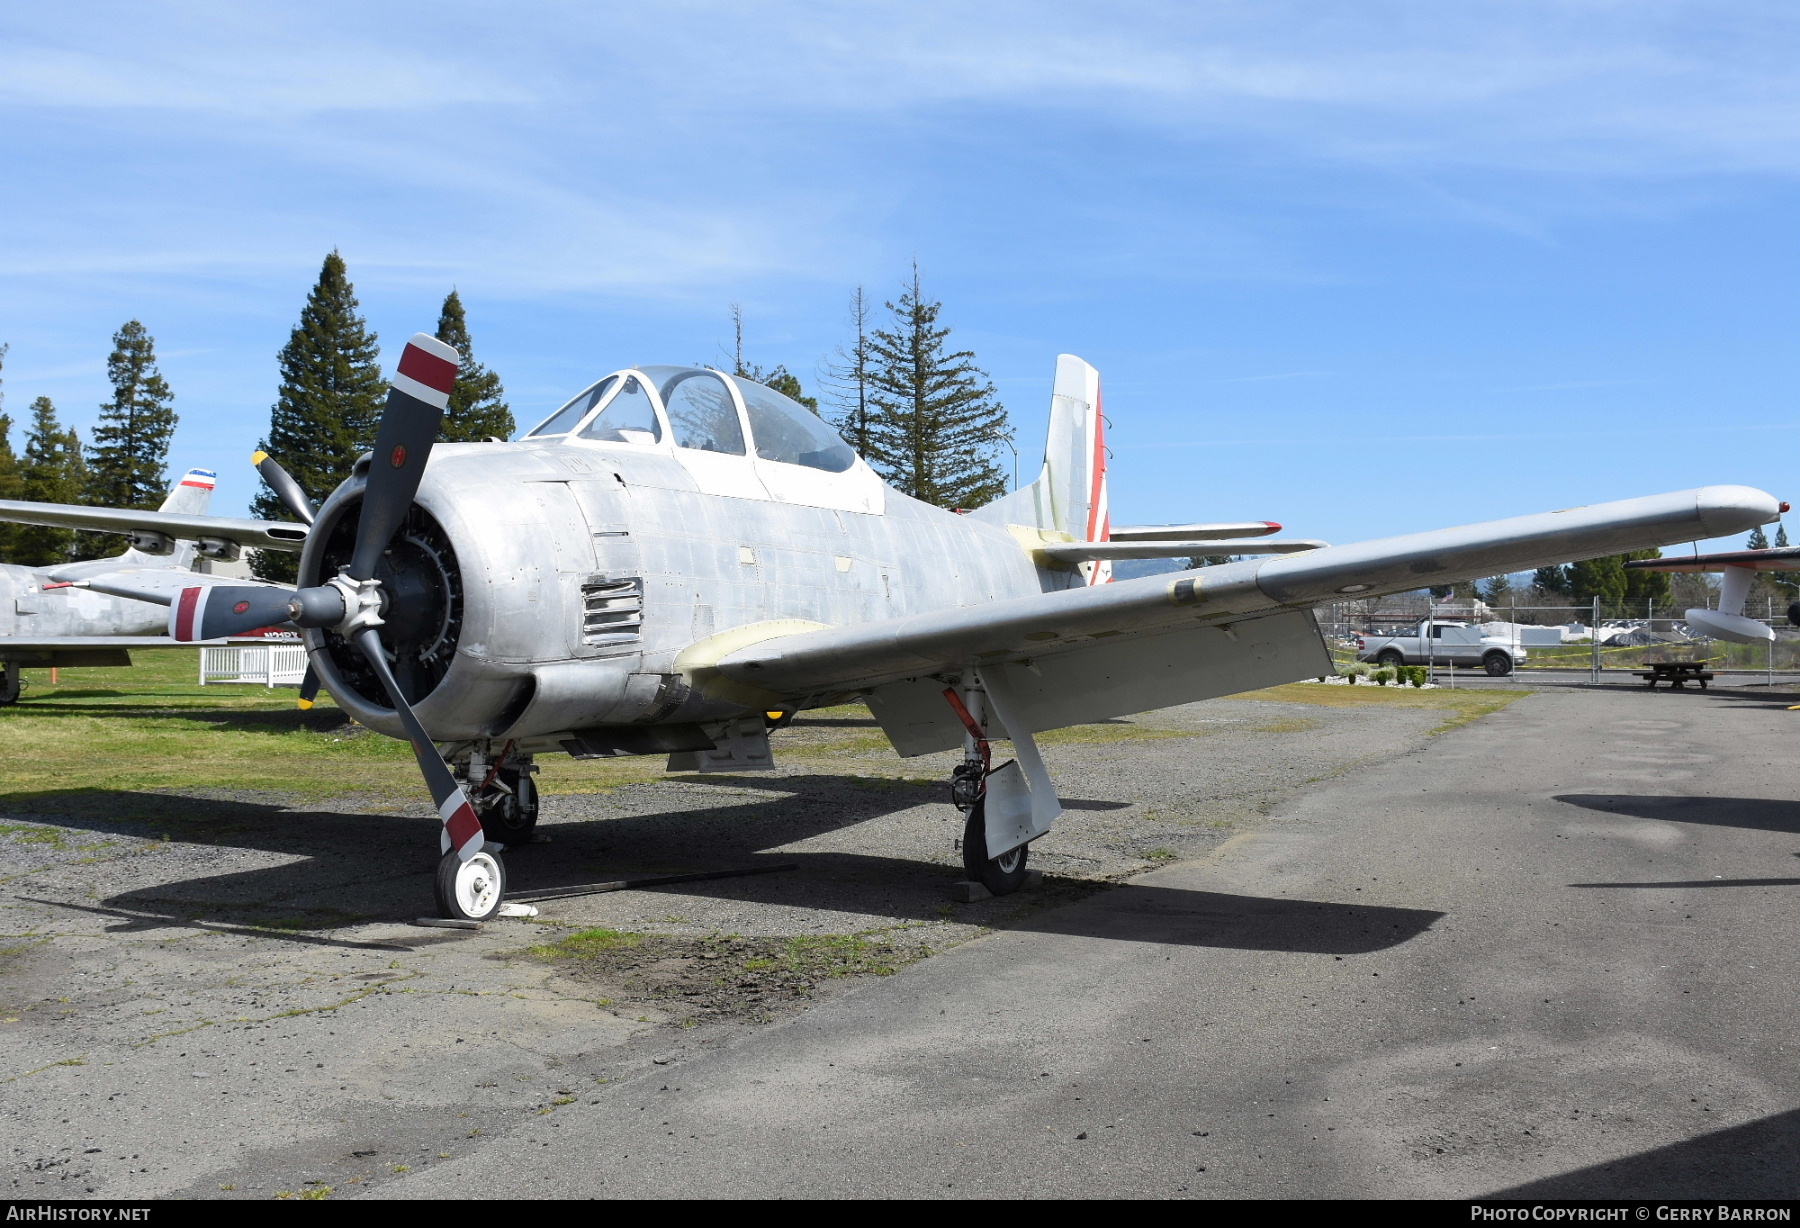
[{"x": 1552, "y": 954}]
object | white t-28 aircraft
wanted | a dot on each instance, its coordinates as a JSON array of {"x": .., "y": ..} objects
[
  {"x": 52, "y": 616},
  {"x": 1739, "y": 567},
  {"x": 679, "y": 560}
]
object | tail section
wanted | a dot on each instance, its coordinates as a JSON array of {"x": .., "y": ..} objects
[
  {"x": 192, "y": 496},
  {"x": 1068, "y": 502}
]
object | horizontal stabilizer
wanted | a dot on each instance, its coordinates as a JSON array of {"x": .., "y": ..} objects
[
  {"x": 1194, "y": 532},
  {"x": 1083, "y": 552},
  {"x": 159, "y": 586}
]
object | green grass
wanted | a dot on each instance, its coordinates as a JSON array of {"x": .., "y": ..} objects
[
  {"x": 1463, "y": 706},
  {"x": 587, "y": 944}
]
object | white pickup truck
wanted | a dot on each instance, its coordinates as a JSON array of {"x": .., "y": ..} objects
[{"x": 1457, "y": 644}]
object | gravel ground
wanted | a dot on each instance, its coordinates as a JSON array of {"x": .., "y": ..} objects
[{"x": 222, "y": 995}]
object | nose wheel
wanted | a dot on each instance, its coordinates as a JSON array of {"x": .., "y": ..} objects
[{"x": 470, "y": 890}]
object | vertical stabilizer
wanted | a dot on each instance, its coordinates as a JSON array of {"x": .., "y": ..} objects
[
  {"x": 192, "y": 496},
  {"x": 1068, "y": 501}
]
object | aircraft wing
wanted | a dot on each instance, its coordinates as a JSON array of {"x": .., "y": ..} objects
[
  {"x": 160, "y": 586},
  {"x": 1780, "y": 558},
  {"x": 1084, "y": 654},
  {"x": 260, "y": 534}
]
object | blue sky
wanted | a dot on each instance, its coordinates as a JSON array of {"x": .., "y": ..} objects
[{"x": 1362, "y": 269}]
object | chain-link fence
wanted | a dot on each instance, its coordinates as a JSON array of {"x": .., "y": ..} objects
[{"x": 1597, "y": 638}]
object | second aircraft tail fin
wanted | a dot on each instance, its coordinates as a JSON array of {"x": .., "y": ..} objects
[{"x": 192, "y": 496}]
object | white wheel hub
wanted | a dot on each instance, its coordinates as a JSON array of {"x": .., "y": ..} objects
[{"x": 478, "y": 886}]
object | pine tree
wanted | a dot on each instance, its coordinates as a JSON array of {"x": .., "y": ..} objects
[
  {"x": 1553, "y": 579},
  {"x": 1603, "y": 577},
  {"x": 1496, "y": 590},
  {"x": 1758, "y": 539},
  {"x": 1781, "y": 540},
  {"x": 328, "y": 405},
  {"x": 1643, "y": 587},
  {"x": 848, "y": 380},
  {"x": 131, "y": 439},
  {"x": 478, "y": 407},
  {"x": 53, "y": 472},
  {"x": 779, "y": 378},
  {"x": 935, "y": 421}
]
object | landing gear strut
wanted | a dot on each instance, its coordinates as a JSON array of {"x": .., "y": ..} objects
[{"x": 968, "y": 792}]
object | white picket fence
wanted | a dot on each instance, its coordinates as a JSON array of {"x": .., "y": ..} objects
[{"x": 269, "y": 664}]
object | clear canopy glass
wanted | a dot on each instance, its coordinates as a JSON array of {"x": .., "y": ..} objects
[
  {"x": 628, "y": 418},
  {"x": 787, "y": 431},
  {"x": 566, "y": 418},
  {"x": 700, "y": 409}
]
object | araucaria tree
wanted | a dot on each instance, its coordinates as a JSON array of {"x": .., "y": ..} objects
[
  {"x": 478, "y": 407},
  {"x": 328, "y": 405},
  {"x": 131, "y": 438},
  {"x": 935, "y": 423},
  {"x": 53, "y": 472}
]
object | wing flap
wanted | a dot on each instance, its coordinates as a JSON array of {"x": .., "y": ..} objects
[
  {"x": 1115, "y": 677},
  {"x": 1086, "y": 552}
]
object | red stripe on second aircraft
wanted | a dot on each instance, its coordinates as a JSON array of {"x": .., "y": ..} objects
[
  {"x": 428, "y": 369},
  {"x": 184, "y": 613}
]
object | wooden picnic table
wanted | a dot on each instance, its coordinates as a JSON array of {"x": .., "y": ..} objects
[{"x": 1677, "y": 673}]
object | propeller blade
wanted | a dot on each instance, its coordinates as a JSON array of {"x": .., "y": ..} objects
[
  {"x": 462, "y": 830},
  {"x": 285, "y": 488},
  {"x": 409, "y": 426},
  {"x": 309, "y": 688},
  {"x": 220, "y": 610}
]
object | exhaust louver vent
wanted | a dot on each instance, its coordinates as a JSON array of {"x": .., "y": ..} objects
[{"x": 612, "y": 611}]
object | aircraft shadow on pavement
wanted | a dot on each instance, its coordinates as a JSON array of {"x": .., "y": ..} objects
[
  {"x": 1762, "y": 814},
  {"x": 350, "y": 868},
  {"x": 1755, "y": 1160},
  {"x": 1178, "y": 917}
]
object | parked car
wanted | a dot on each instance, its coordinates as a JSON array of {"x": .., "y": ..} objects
[{"x": 1445, "y": 643}]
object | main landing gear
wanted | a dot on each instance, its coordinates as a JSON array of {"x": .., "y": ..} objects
[{"x": 968, "y": 792}]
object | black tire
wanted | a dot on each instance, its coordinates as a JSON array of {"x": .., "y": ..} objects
[
  {"x": 1497, "y": 664},
  {"x": 10, "y": 685},
  {"x": 1000, "y": 875},
  {"x": 1390, "y": 657},
  {"x": 456, "y": 900},
  {"x": 512, "y": 820}
]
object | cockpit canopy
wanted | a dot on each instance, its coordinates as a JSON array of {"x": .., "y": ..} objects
[{"x": 704, "y": 410}]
